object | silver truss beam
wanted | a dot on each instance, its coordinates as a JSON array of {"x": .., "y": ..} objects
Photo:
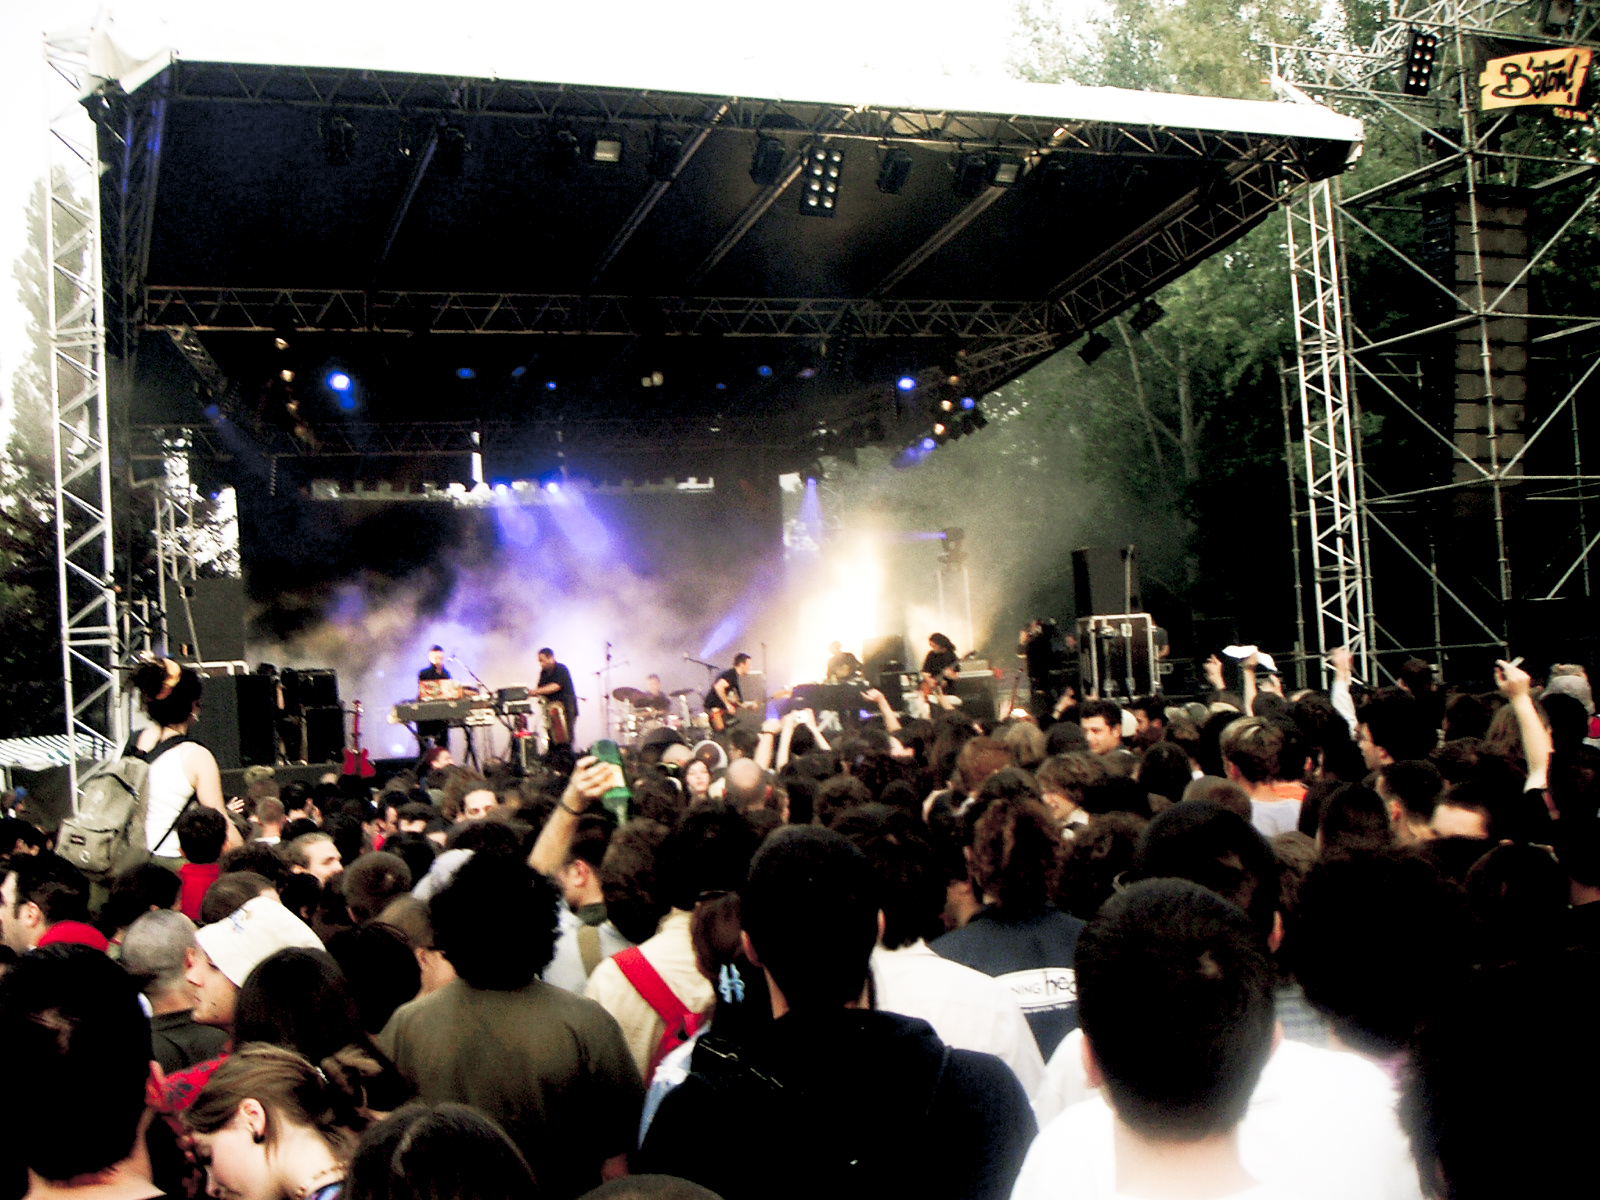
[
  {"x": 1329, "y": 423},
  {"x": 80, "y": 425}
]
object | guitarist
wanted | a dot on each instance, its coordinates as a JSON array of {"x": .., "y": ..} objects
[
  {"x": 724, "y": 698},
  {"x": 939, "y": 667},
  {"x": 555, "y": 683}
]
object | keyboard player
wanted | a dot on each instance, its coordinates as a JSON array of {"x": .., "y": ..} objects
[{"x": 432, "y": 733}]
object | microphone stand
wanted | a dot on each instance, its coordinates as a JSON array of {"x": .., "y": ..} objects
[{"x": 466, "y": 730}]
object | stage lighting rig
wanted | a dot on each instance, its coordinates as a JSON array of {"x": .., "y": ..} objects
[
  {"x": 1092, "y": 349},
  {"x": 766, "y": 161},
  {"x": 1420, "y": 54},
  {"x": 894, "y": 169},
  {"x": 820, "y": 193},
  {"x": 1147, "y": 315},
  {"x": 666, "y": 151},
  {"x": 605, "y": 149}
]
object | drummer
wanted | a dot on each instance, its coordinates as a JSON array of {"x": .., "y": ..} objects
[{"x": 653, "y": 696}]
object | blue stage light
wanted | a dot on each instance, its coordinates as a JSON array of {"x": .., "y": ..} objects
[
  {"x": 347, "y": 401},
  {"x": 906, "y": 383},
  {"x": 928, "y": 445},
  {"x": 968, "y": 402},
  {"x": 518, "y": 372},
  {"x": 764, "y": 371},
  {"x": 552, "y": 486},
  {"x": 550, "y": 385},
  {"x": 339, "y": 381},
  {"x": 213, "y": 412},
  {"x": 466, "y": 373}
]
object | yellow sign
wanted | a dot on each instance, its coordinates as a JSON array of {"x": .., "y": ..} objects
[{"x": 1547, "y": 77}]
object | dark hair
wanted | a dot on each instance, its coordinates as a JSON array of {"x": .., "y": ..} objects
[
  {"x": 1164, "y": 770},
  {"x": 229, "y": 893},
  {"x": 1016, "y": 849},
  {"x": 1467, "y": 715},
  {"x": 944, "y": 643},
  {"x": 545, "y": 650},
  {"x": 73, "y": 1029},
  {"x": 372, "y": 881},
  {"x": 348, "y": 836},
  {"x": 380, "y": 969},
  {"x": 1175, "y": 1000},
  {"x": 55, "y": 885},
  {"x": 1518, "y": 896},
  {"x": 298, "y": 999},
  {"x": 810, "y": 908},
  {"x": 911, "y": 885},
  {"x": 201, "y": 834},
  {"x": 135, "y": 893},
  {"x": 1099, "y": 853},
  {"x": 1354, "y": 819},
  {"x": 1381, "y": 941},
  {"x": 496, "y": 922},
  {"x": 590, "y": 837},
  {"x": 438, "y": 1152},
  {"x": 1396, "y": 723},
  {"x": 295, "y": 796},
  {"x": 739, "y": 659},
  {"x": 837, "y": 795},
  {"x": 1203, "y": 842},
  {"x": 1109, "y": 709},
  {"x": 1454, "y": 1106},
  {"x": 1417, "y": 784},
  {"x": 259, "y": 857},
  {"x": 416, "y": 849},
  {"x": 177, "y": 706},
  {"x": 629, "y": 881},
  {"x": 708, "y": 851}
]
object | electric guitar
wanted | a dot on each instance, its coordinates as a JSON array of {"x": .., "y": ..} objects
[{"x": 355, "y": 761}]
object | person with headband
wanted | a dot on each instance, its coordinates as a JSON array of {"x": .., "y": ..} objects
[
  {"x": 270, "y": 1126},
  {"x": 181, "y": 769}
]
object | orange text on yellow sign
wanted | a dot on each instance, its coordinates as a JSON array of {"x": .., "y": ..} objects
[{"x": 1549, "y": 77}]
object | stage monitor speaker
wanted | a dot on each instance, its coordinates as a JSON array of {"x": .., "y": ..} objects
[
  {"x": 237, "y": 720},
  {"x": 206, "y": 624},
  {"x": 1106, "y": 580},
  {"x": 880, "y": 652},
  {"x": 324, "y": 734},
  {"x": 979, "y": 697}
]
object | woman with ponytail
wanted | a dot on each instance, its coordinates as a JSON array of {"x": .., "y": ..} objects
[
  {"x": 270, "y": 1126},
  {"x": 181, "y": 769}
]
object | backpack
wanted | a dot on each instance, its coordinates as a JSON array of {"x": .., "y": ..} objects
[
  {"x": 681, "y": 1024},
  {"x": 105, "y": 835}
]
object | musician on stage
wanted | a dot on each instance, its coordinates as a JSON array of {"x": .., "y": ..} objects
[
  {"x": 725, "y": 696},
  {"x": 654, "y": 697},
  {"x": 432, "y": 733},
  {"x": 555, "y": 684},
  {"x": 842, "y": 665},
  {"x": 939, "y": 669}
]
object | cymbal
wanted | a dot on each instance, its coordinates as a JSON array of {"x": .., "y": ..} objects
[
  {"x": 629, "y": 695},
  {"x": 683, "y": 692}
]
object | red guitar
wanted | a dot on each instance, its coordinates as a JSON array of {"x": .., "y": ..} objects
[{"x": 355, "y": 761}]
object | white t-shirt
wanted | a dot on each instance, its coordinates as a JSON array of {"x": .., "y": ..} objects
[{"x": 1321, "y": 1125}]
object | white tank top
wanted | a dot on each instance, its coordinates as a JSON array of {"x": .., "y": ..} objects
[{"x": 169, "y": 790}]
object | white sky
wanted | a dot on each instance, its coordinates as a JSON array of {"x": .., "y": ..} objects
[{"x": 629, "y": 41}]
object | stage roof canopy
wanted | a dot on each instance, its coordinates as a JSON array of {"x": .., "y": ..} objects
[{"x": 651, "y": 270}]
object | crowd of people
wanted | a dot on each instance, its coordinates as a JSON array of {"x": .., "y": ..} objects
[{"x": 1262, "y": 943}]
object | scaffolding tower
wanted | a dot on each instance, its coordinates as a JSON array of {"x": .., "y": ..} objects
[{"x": 1439, "y": 450}]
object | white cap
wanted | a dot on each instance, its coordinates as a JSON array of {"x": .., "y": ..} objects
[{"x": 258, "y": 930}]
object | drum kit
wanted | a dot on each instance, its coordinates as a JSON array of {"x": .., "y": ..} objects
[{"x": 643, "y": 714}]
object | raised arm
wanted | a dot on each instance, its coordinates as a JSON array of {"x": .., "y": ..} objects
[{"x": 1516, "y": 686}]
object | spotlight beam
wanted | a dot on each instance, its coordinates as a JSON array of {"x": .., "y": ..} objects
[{"x": 418, "y": 170}]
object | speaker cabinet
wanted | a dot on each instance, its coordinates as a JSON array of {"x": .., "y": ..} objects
[
  {"x": 237, "y": 720},
  {"x": 206, "y": 623},
  {"x": 1106, "y": 580},
  {"x": 978, "y": 695},
  {"x": 324, "y": 734}
]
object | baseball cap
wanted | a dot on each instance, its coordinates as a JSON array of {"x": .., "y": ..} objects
[{"x": 262, "y": 927}]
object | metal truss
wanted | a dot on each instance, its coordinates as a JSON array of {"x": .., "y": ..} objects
[
  {"x": 1328, "y": 423},
  {"x": 1351, "y": 514},
  {"x": 414, "y": 94},
  {"x": 80, "y": 427}
]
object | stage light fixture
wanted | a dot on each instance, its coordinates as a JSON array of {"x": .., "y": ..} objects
[
  {"x": 928, "y": 445},
  {"x": 451, "y": 151},
  {"x": 286, "y": 375},
  {"x": 1055, "y": 174},
  {"x": 550, "y": 385},
  {"x": 606, "y": 148},
  {"x": 766, "y": 161},
  {"x": 1147, "y": 315},
  {"x": 338, "y": 141},
  {"x": 894, "y": 169},
  {"x": 466, "y": 373},
  {"x": 1003, "y": 170},
  {"x": 1558, "y": 15},
  {"x": 820, "y": 191},
  {"x": 1092, "y": 349},
  {"x": 1420, "y": 55},
  {"x": 764, "y": 371},
  {"x": 972, "y": 174},
  {"x": 666, "y": 149},
  {"x": 518, "y": 372},
  {"x": 339, "y": 381},
  {"x": 565, "y": 148},
  {"x": 281, "y": 343},
  {"x": 906, "y": 383},
  {"x": 968, "y": 403}
]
